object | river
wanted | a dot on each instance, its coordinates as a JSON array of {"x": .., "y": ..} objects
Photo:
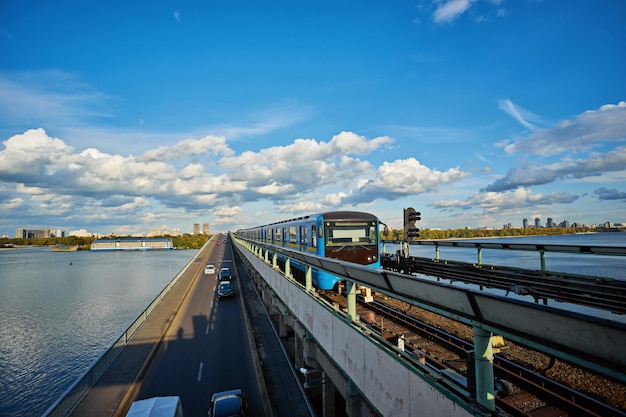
[{"x": 60, "y": 310}]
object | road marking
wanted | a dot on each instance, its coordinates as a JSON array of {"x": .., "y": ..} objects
[
  {"x": 200, "y": 371},
  {"x": 208, "y": 325}
]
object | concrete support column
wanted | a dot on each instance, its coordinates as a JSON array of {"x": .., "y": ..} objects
[
  {"x": 353, "y": 401},
  {"x": 329, "y": 395},
  {"x": 267, "y": 298},
  {"x": 309, "y": 278},
  {"x": 308, "y": 347},
  {"x": 282, "y": 326},
  {"x": 485, "y": 392},
  {"x": 298, "y": 352},
  {"x": 288, "y": 268},
  {"x": 351, "y": 292}
]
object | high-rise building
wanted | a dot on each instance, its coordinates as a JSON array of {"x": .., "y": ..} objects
[
  {"x": 525, "y": 223},
  {"x": 196, "y": 228},
  {"x": 537, "y": 222},
  {"x": 205, "y": 228}
]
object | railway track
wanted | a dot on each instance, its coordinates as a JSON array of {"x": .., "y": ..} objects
[
  {"x": 521, "y": 391},
  {"x": 595, "y": 292}
]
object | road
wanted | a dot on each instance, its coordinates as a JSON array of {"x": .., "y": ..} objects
[{"x": 207, "y": 347}]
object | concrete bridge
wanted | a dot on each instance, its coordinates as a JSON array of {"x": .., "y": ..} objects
[{"x": 338, "y": 361}]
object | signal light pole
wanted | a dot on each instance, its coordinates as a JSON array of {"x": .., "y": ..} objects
[
  {"x": 410, "y": 231},
  {"x": 410, "y": 217}
]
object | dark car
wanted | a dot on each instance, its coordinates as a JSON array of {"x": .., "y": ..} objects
[
  {"x": 224, "y": 274},
  {"x": 228, "y": 404},
  {"x": 225, "y": 289}
]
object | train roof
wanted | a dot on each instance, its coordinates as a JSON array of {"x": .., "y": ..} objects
[{"x": 329, "y": 215}]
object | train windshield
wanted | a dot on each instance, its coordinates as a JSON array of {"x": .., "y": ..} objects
[{"x": 351, "y": 233}]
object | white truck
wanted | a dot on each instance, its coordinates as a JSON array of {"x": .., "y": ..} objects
[{"x": 156, "y": 407}]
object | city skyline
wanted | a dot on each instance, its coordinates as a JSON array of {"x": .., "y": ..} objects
[{"x": 473, "y": 112}]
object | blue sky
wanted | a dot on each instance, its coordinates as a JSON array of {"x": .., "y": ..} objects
[{"x": 130, "y": 116}]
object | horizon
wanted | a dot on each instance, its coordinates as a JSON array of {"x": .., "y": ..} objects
[{"x": 152, "y": 115}]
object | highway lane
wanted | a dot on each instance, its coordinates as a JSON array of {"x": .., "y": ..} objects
[{"x": 206, "y": 348}]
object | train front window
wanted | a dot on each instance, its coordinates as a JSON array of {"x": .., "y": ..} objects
[{"x": 351, "y": 233}]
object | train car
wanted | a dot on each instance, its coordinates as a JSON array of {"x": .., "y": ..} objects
[{"x": 345, "y": 235}]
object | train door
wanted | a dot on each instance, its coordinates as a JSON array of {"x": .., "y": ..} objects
[{"x": 303, "y": 238}]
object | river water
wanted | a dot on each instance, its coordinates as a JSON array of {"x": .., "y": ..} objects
[{"x": 60, "y": 310}]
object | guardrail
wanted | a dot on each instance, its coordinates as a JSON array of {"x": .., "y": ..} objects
[
  {"x": 81, "y": 387},
  {"x": 541, "y": 249}
]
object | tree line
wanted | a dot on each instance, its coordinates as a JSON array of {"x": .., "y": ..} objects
[
  {"x": 430, "y": 234},
  {"x": 185, "y": 241}
]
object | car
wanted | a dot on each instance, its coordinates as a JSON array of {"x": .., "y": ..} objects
[
  {"x": 225, "y": 289},
  {"x": 209, "y": 269},
  {"x": 219, "y": 242},
  {"x": 228, "y": 404},
  {"x": 225, "y": 274}
]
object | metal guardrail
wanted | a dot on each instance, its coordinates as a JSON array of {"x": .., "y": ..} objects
[
  {"x": 541, "y": 249},
  {"x": 81, "y": 387},
  {"x": 593, "y": 343}
]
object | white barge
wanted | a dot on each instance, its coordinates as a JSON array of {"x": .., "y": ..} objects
[{"x": 157, "y": 243}]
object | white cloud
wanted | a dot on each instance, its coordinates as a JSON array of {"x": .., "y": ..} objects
[
  {"x": 305, "y": 163},
  {"x": 589, "y": 129},
  {"x": 518, "y": 113},
  {"x": 516, "y": 199},
  {"x": 49, "y": 96},
  {"x": 451, "y": 9},
  {"x": 210, "y": 145},
  {"x": 594, "y": 165},
  {"x": 405, "y": 177}
]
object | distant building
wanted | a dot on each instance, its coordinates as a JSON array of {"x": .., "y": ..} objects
[
  {"x": 34, "y": 233},
  {"x": 550, "y": 222},
  {"x": 84, "y": 233},
  {"x": 525, "y": 223},
  {"x": 205, "y": 228},
  {"x": 196, "y": 228},
  {"x": 537, "y": 222}
]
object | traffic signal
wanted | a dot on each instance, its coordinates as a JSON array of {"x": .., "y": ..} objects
[{"x": 410, "y": 217}]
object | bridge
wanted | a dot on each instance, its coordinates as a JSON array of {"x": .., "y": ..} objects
[{"x": 330, "y": 358}]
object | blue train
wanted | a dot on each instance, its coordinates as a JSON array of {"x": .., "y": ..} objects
[{"x": 346, "y": 235}]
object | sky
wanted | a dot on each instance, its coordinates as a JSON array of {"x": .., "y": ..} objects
[{"x": 123, "y": 117}]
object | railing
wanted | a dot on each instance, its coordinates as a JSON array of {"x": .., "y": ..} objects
[
  {"x": 81, "y": 387},
  {"x": 540, "y": 249}
]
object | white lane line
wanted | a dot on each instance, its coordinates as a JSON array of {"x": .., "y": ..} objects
[
  {"x": 207, "y": 328},
  {"x": 200, "y": 371}
]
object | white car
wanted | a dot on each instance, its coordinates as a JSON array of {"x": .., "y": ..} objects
[{"x": 209, "y": 269}]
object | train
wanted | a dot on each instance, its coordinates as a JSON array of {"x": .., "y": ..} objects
[{"x": 351, "y": 236}]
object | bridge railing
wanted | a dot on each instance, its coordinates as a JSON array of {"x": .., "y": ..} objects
[
  {"x": 81, "y": 387},
  {"x": 540, "y": 249}
]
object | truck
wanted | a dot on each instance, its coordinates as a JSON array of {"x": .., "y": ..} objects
[{"x": 156, "y": 407}]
